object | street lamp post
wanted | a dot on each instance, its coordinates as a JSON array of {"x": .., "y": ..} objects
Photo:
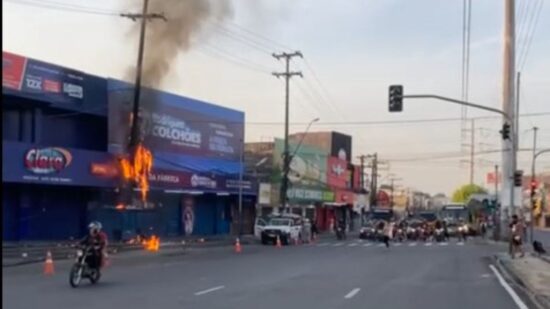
[{"x": 288, "y": 160}]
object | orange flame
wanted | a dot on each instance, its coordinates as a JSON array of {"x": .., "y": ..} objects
[
  {"x": 139, "y": 169},
  {"x": 153, "y": 244}
]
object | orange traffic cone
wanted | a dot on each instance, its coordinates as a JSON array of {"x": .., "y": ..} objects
[
  {"x": 278, "y": 242},
  {"x": 238, "y": 248},
  {"x": 48, "y": 265}
]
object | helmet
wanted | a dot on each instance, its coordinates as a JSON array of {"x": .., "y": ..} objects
[{"x": 95, "y": 225}]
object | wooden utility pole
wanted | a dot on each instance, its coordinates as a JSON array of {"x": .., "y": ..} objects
[
  {"x": 286, "y": 160},
  {"x": 144, "y": 16}
]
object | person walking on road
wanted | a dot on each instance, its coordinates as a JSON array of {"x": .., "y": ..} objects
[
  {"x": 388, "y": 233},
  {"x": 516, "y": 232}
]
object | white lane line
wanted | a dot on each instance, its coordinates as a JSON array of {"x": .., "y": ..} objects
[
  {"x": 508, "y": 289},
  {"x": 209, "y": 290},
  {"x": 412, "y": 244},
  {"x": 352, "y": 293},
  {"x": 352, "y": 245},
  {"x": 367, "y": 245}
]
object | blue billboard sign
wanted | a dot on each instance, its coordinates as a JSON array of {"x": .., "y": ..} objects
[{"x": 29, "y": 163}]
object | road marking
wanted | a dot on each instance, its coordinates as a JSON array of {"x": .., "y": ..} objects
[
  {"x": 508, "y": 289},
  {"x": 209, "y": 290},
  {"x": 323, "y": 244},
  {"x": 444, "y": 244},
  {"x": 460, "y": 243},
  {"x": 412, "y": 244},
  {"x": 352, "y": 293},
  {"x": 381, "y": 245},
  {"x": 338, "y": 244},
  {"x": 352, "y": 245},
  {"x": 428, "y": 244},
  {"x": 367, "y": 245},
  {"x": 398, "y": 244}
]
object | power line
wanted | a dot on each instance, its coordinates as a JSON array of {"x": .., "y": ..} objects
[
  {"x": 65, "y": 7},
  {"x": 530, "y": 34}
]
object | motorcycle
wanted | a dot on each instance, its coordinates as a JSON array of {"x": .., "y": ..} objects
[
  {"x": 81, "y": 269},
  {"x": 340, "y": 233},
  {"x": 463, "y": 232},
  {"x": 399, "y": 235},
  {"x": 439, "y": 235}
]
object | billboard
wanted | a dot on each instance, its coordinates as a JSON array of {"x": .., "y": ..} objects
[
  {"x": 341, "y": 146},
  {"x": 338, "y": 175},
  {"x": 30, "y": 163},
  {"x": 40, "y": 80},
  {"x": 307, "y": 168},
  {"x": 175, "y": 125}
]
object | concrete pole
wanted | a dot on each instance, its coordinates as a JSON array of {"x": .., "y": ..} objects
[{"x": 508, "y": 106}]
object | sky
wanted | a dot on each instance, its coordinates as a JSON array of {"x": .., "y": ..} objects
[{"x": 353, "y": 50}]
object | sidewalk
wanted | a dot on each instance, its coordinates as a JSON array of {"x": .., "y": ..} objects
[{"x": 531, "y": 273}]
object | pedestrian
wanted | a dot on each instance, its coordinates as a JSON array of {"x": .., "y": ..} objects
[
  {"x": 314, "y": 230},
  {"x": 516, "y": 232},
  {"x": 388, "y": 233}
]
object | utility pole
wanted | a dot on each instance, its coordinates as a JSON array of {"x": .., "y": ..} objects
[
  {"x": 374, "y": 179},
  {"x": 508, "y": 107},
  {"x": 496, "y": 220},
  {"x": 287, "y": 75},
  {"x": 533, "y": 177},
  {"x": 144, "y": 16},
  {"x": 472, "y": 152},
  {"x": 362, "y": 175}
]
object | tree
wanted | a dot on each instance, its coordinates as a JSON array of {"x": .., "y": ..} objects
[{"x": 462, "y": 194}]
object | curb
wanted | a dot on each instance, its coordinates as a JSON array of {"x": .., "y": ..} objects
[{"x": 541, "y": 301}]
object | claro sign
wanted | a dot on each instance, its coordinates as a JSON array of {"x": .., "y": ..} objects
[{"x": 47, "y": 160}]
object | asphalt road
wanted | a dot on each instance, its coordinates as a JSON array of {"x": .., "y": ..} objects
[{"x": 329, "y": 274}]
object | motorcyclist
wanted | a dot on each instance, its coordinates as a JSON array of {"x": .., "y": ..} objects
[{"x": 96, "y": 240}]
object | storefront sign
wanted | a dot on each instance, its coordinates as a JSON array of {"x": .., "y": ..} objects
[
  {"x": 27, "y": 163},
  {"x": 310, "y": 195},
  {"x": 42, "y": 80},
  {"x": 47, "y": 160},
  {"x": 338, "y": 175},
  {"x": 176, "y": 125},
  {"x": 264, "y": 194}
]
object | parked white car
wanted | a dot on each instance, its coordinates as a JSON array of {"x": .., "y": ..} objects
[{"x": 287, "y": 227}]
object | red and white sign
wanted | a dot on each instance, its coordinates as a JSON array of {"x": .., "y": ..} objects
[
  {"x": 47, "y": 160},
  {"x": 52, "y": 86},
  {"x": 337, "y": 173},
  {"x": 491, "y": 179},
  {"x": 13, "y": 68}
]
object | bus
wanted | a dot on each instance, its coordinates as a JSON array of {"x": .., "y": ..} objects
[{"x": 455, "y": 213}]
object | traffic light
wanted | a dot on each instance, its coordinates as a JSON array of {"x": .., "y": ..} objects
[
  {"x": 505, "y": 131},
  {"x": 533, "y": 187},
  {"x": 518, "y": 175},
  {"x": 396, "y": 98}
]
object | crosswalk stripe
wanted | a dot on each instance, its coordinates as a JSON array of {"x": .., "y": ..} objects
[
  {"x": 352, "y": 245},
  {"x": 338, "y": 244},
  {"x": 412, "y": 244},
  {"x": 428, "y": 244},
  {"x": 367, "y": 245},
  {"x": 443, "y": 244},
  {"x": 323, "y": 244},
  {"x": 398, "y": 244},
  {"x": 460, "y": 244},
  {"x": 381, "y": 245}
]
